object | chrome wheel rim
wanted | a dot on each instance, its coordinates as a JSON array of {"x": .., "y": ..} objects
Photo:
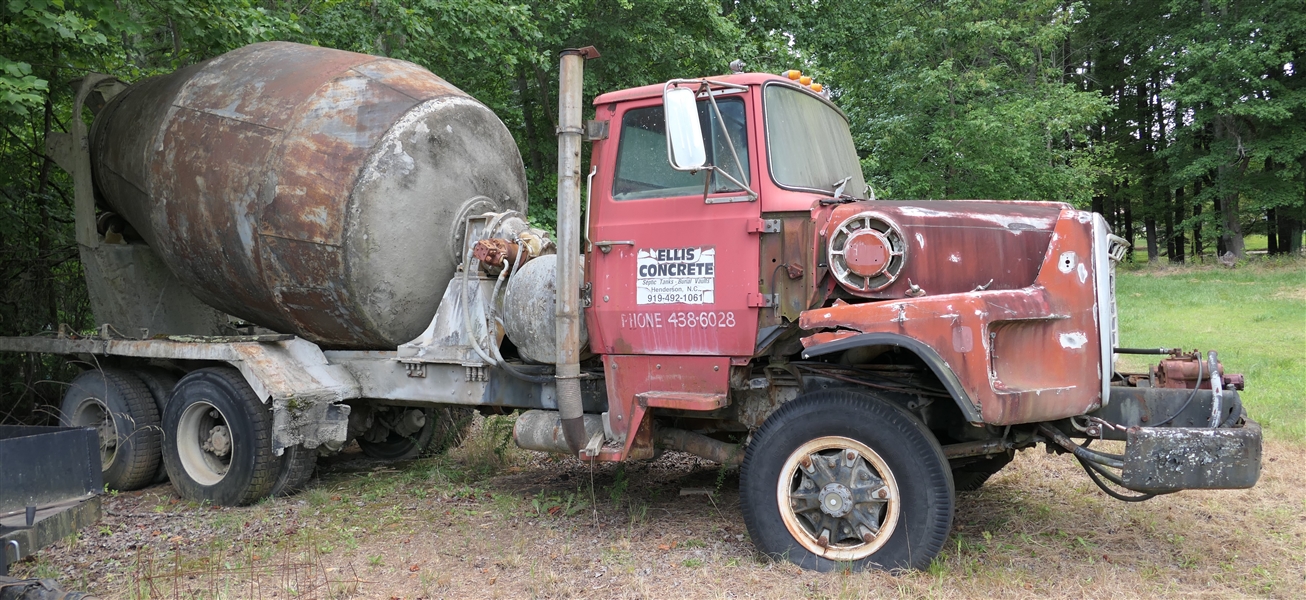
[
  {"x": 204, "y": 443},
  {"x": 838, "y": 498}
]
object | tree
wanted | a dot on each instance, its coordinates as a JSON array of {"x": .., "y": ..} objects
[
  {"x": 960, "y": 99},
  {"x": 1233, "y": 67}
]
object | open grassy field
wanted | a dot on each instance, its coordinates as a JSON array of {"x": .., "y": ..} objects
[
  {"x": 1253, "y": 315},
  {"x": 488, "y": 521}
]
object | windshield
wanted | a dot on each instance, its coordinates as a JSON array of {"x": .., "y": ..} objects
[
  {"x": 642, "y": 167},
  {"x": 809, "y": 143}
]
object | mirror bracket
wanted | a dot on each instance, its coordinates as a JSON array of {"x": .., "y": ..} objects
[{"x": 704, "y": 88}]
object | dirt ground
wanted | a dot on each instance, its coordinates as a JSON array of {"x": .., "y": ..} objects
[{"x": 485, "y": 524}]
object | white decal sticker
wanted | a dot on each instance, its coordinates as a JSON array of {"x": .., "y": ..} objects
[{"x": 676, "y": 276}]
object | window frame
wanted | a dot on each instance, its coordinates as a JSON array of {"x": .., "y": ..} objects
[
  {"x": 739, "y": 195},
  {"x": 766, "y": 131}
]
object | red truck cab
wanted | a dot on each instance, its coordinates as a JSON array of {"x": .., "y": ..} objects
[{"x": 871, "y": 356}]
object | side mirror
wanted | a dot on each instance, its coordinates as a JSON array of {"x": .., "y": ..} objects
[{"x": 684, "y": 134}]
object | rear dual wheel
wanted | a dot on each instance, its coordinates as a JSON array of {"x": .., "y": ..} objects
[
  {"x": 843, "y": 480},
  {"x": 119, "y": 407},
  {"x": 441, "y": 428},
  {"x": 160, "y": 383},
  {"x": 219, "y": 447}
]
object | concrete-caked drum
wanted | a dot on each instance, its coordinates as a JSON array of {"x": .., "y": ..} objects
[{"x": 308, "y": 190}]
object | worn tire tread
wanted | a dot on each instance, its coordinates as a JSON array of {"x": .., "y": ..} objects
[
  {"x": 140, "y": 445},
  {"x": 160, "y": 383},
  {"x": 296, "y": 470},
  {"x": 883, "y": 413}
]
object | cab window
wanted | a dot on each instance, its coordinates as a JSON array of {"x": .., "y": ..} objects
[{"x": 642, "y": 167}]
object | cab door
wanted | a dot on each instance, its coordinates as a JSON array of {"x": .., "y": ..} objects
[{"x": 673, "y": 265}]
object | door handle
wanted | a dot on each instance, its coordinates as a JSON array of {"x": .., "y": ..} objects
[{"x": 606, "y": 247}]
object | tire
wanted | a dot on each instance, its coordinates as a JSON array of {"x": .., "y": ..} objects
[
  {"x": 160, "y": 382},
  {"x": 971, "y": 476},
  {"x": 446, "y": 427},
  {"x": 295, "y": 471},
  {"x": 118, "y": 405},
  {"x": 892, "y": 453},
  {"x": 218, "y": 439}
]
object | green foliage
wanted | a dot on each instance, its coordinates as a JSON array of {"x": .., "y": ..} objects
[
  {"x": 962, "y": 99},
  {"x": 1210, "y": 128},
  {"x": 19, "y": 89}
]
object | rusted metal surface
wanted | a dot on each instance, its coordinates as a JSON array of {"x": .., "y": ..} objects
[
  {"x": 569, "y": 273},
  {"x": 951, "y": 246},
  {"x": 789, "y": 267},
  {"x": 1168, "y": 459},
  {"x": 293, "y": 374},
  {"x": 637, "y": 384},
  {"x": 725, "y": 453},
  {"x": 980, "y": 448},
  {"x": 541, "y": 431},
  {"x": 306, "y": 189},
  {"x": 1022, "y": 355},
  {"x": 683, "y": 400},
  {"x": 493, "y": 252},
  {"x": 1189, "y": 371}
]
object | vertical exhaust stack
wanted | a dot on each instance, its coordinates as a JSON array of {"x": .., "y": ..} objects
[{"x": 567, "y": 315}]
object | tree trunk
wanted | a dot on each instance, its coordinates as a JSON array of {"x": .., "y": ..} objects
[
  {"x": 1197, "y": 221},
  {"x": 1231, "y": 231},
  {"x": 1180, "y": 213},
  {"x": 1271, "y": 233},
  {"x": 1289, "y": 225},
  {"x": 1217, "y": 204},
  {"x": 45, "y": 277},
  {"x": 528, "y": 116},
  {"x": 1149, "y": 223},
  {"x": 1129, "y": 225},
  {"x": 1169, "y": 226}
]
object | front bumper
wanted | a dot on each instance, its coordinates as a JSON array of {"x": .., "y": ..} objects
[{"x": 1185, "y": 452}]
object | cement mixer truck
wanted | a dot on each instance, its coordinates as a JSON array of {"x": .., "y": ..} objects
[{"x": 290, "y": 248}]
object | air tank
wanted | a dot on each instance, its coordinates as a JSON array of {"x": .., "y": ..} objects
[{"x": 307, "y": 190}]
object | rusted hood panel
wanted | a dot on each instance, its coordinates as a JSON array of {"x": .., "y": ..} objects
[
  {"x": 956, "y": 245},
  {"x": 1023, "y": 355}
]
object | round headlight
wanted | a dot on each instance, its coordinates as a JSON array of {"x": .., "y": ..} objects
[{"x": 866, "y": 252}]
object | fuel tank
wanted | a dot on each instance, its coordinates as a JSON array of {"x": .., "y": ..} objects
[{"x": 307, "y": 190}]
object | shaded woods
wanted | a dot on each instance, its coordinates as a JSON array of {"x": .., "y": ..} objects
[{"x": 1182, "y": 122}]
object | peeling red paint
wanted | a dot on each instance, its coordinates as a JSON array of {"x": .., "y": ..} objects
[{"x": 1006, "y": 345}]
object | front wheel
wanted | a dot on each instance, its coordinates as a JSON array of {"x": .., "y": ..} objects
[{"x": 844, "y": 480}]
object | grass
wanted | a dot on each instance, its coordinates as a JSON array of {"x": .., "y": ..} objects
[
  {"x": 1038, "y": 529},
  {"x": 1254, "y": 315}
]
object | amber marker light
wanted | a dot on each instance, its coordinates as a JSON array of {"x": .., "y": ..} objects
[
  {"x": 805, "y": 80},
  {"x": 793, "y": 74},
  {"x": 816, "y": 87}
]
